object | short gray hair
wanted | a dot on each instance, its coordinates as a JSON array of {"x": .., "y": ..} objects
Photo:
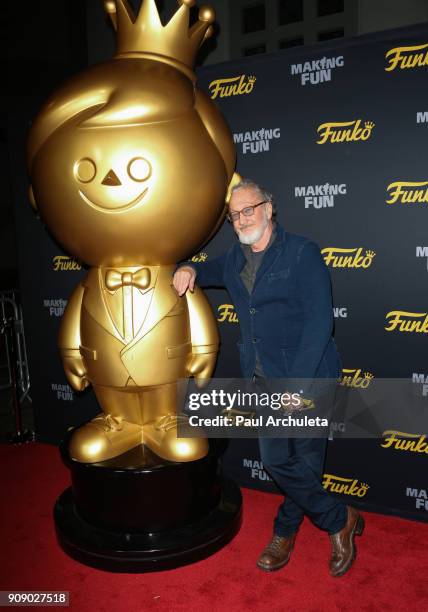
[{"x": 247, "y": 183}]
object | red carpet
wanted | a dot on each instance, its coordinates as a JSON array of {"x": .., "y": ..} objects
[{"x": 390, "y": 572}]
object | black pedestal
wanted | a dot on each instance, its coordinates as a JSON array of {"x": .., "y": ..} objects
[{"x": 139, "y": 513}]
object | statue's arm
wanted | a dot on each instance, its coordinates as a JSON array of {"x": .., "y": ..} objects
[
  {"x": 69, "y": 341},
  {"x": 204, "y": 335}
]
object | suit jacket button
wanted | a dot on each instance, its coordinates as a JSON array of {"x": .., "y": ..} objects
[{"x": 252, "y": 311}]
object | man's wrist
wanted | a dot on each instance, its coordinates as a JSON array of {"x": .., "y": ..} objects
[{"x": 188, "y": 267}]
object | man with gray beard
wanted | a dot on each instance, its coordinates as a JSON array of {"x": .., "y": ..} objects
[{"x": 281, "y": 290}]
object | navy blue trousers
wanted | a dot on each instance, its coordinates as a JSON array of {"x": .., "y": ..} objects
[{"x": 296, "y": 465}]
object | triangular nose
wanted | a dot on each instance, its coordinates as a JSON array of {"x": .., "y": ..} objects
[{"x": 111, "y": 179}]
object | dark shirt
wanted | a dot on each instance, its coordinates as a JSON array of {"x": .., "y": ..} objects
[
  {"x": 248, "y": 275},
  {"x": 253, "y": 262}
]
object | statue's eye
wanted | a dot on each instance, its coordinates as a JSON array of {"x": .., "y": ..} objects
[
  {"x": 85, "y": 170},
  {"x": 139, "y": 169}
]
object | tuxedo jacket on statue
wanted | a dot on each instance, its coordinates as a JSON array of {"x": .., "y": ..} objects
[
  {"x": 156, "y": 348},
  {"x": 288, "y": 316}
]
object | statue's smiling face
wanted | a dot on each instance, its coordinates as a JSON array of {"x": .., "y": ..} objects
[
  {"x": 115, "y": 183},
  {"x": 130, "y": 193}
]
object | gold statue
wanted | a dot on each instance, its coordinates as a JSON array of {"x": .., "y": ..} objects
[{"x": 130, "y": 164}]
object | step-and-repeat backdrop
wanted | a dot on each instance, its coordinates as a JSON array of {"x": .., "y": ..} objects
[{"x": 338, "y": 133}]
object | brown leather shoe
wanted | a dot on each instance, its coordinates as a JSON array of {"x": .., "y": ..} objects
[
  {"x": 343, "y": 547},
  {"x": 277, "y": 553}
]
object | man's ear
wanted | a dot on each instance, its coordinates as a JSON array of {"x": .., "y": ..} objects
[
  {"x": 269, "y": 210},
  {"x": 32, "y": 198}
]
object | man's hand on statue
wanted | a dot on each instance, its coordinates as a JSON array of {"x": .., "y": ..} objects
[{"x": 184, "y": 279}]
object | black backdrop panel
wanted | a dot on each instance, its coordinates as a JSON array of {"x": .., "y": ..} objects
[{"x": 335, "y": 192}]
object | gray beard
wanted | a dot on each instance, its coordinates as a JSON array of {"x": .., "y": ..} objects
[{"x": 250, "y": 238}]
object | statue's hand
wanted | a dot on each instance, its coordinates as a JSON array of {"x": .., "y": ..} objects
[
  {"x": 201, "y": 367},
  {"x": 75, "y": 372}
]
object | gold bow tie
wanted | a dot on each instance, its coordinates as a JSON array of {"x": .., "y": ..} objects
[{"x": 115, "y": 279}]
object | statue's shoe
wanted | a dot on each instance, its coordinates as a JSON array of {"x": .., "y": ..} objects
[
  {"x": 161, "y": 436},
  {"x": 103, "y": 438}
]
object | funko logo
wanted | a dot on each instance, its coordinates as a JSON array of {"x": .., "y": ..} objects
[
  {"x": 407, "y": 442},
  {"x": 227, "y": 313},
  {"x": 344, "y": 131},
  {"x": 200, "y": 257},
  {"x": 64, "y": 263},
  {"x": 344, "y": 486},
  {"x": 407, "y": 57},
  {"x": 347, "y": 258},
  {"x": 407, "y": 322},
  {"x": 408, "y": 192},
  {"x": 233, "y": 86},
  {"x": 354, "y": 379}
]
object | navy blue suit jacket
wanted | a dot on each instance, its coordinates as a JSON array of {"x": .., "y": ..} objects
[{"x": 289, "y": 314}]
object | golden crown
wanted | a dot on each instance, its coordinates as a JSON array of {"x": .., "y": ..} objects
[{"x": 143, "y": 35}]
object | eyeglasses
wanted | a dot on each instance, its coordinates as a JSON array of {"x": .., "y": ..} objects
[{"x": 248, "y": 211}]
